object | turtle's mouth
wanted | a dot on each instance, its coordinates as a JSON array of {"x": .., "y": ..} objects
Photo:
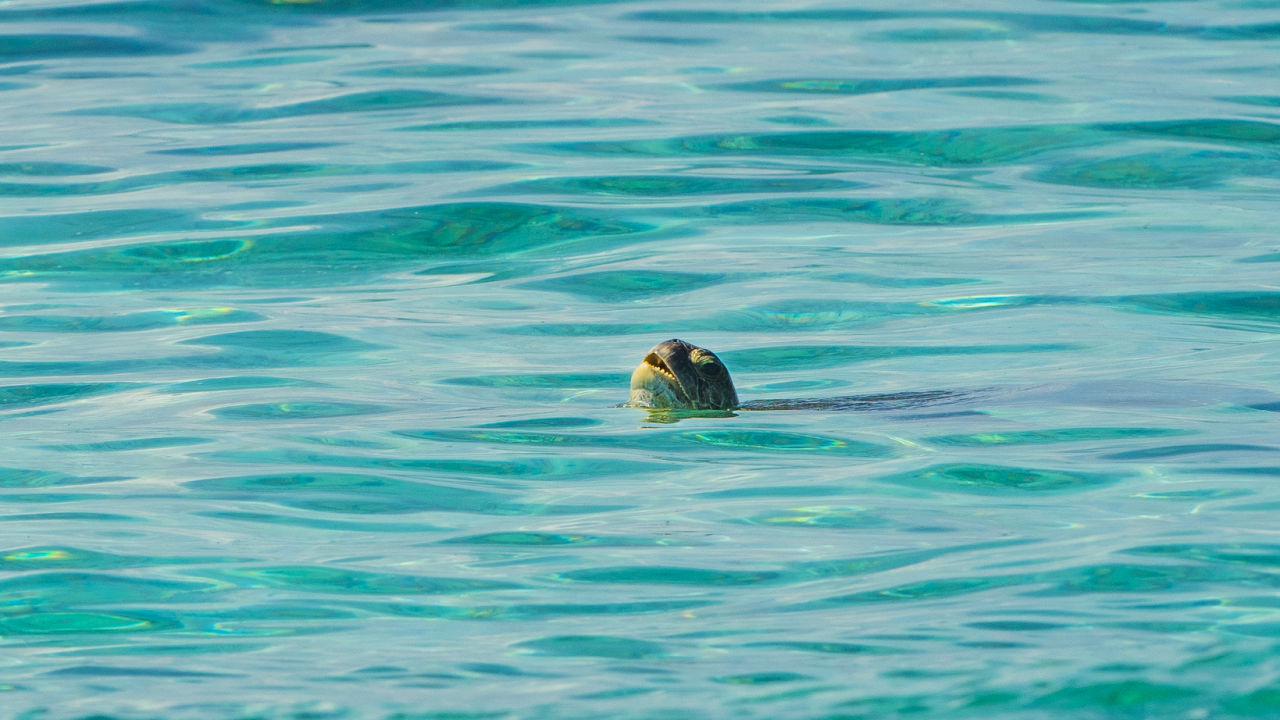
[
  {"x": 661, "y": 371},
  {"x": 657, "y": 363}
]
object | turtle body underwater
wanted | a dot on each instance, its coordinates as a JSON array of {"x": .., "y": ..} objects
[{"x": 676, "y": 375}]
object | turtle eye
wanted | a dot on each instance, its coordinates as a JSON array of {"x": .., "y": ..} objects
[{"x": 710, "y": 368}]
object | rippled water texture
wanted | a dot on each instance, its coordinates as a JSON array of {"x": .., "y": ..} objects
[{"x": 316, "y": 316}]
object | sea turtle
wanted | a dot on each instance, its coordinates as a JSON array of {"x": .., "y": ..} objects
[{"x": 676, "y": 375}]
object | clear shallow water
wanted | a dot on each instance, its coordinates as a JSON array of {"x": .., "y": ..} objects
[{"x": 316, "y": 317}]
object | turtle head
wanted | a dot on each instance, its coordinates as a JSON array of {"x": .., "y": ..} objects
[{"x": 680, "y": 376}]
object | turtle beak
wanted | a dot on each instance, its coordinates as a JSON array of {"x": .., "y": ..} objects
[
  {"x": 654, "y": 374},
  {"x": 656, "y": 363}
]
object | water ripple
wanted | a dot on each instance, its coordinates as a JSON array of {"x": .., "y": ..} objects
[
  {"x": 960, "y": 147},
  {"x": 125, "y": 323},
  {"x": 1025, "y": 21},
  {"x": 628, "y": 186},
  {"x": 622, "y": 285},
  {"x": 26, "y": 478},
  {"x": 873, "y": 85},
  {"x": 98, "y": 224},
  {"x": 343, "y": 248},
  {"x": 235, "y": 174},
  {"x": 217, "y": 113},
  {"x": 16, "y": 48},
  {"x": 298, "y": 410},
  {"x": 21, "y": 396},
  {"x": 1000, "y": 480},
  {"x": 340, "y": 581},
  {"x": 602, "y": 646}
]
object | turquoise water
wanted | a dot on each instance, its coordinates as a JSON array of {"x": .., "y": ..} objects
[{"x": 316, "y": 317}]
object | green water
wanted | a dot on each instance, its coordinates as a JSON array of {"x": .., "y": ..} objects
[{"x": 315, "y": 319}]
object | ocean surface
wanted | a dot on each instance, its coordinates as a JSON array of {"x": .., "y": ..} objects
[{"x": 316, "y": 319}]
